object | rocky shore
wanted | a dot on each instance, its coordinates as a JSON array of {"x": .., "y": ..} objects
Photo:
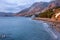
[{"x": 53, "y": 25}]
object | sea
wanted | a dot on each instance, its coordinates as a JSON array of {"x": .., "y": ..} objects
[{"x": 23, "y": 28}]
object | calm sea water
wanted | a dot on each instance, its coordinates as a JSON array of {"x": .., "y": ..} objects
[{"x": 20, "y": 28}]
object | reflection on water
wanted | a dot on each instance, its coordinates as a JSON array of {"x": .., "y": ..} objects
[{"x": 20, "y": 28}]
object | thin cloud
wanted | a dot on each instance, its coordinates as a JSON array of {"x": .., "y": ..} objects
[{"x": 15, "y": 5}]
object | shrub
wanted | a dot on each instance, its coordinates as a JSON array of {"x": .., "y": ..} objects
[{"x": 46, "y": 14}]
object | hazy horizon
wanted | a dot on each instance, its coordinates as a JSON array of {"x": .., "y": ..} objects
[{"x": 16, "y": 5}]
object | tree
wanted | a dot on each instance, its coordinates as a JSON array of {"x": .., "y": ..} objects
[{"x": 46, "y": 14}]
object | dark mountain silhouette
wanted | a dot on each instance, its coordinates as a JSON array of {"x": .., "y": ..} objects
[{"x": 4, "y": 14}]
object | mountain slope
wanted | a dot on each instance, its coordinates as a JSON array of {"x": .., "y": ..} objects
[{"x": 36, "y": 7}]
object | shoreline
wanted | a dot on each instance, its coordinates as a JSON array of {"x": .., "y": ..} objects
[
  {"x": 53, "y": 22},
  {"x": 53, "y": 25}
]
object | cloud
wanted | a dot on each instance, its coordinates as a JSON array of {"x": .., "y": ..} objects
[
  {"x": 42, "y": 0},
  {"x": 15, "y": 5}
]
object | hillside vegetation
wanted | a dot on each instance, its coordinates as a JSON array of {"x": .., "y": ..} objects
[{"x": 48, "y": 13}]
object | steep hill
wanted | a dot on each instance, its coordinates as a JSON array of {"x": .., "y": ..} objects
[{"x": 36, "y": 7}]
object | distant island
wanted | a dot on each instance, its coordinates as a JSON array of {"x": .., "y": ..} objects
[{"x": 4, "y": 14}]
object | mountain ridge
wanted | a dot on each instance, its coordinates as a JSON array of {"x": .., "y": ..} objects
[{"x": 36, "y": 7}]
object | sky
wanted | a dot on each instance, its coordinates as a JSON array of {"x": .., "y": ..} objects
[{"x": 14, "y": 6}]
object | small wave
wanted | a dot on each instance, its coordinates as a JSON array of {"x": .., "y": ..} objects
[{"x": 46, "y": 26}]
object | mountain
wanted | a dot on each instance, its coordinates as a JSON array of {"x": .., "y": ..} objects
[
  {"x": 4, "y": 14},
  {"x": 50, "y": 11},
  {"x": 57, "y": 2},
  {"x": 51, "y": 5},
  {"x": 54, "y": 3},
  {"x": 36, "y": 7}
]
